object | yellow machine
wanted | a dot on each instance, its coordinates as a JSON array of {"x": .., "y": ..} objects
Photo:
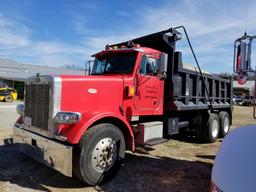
[{"x": 7, "y": 94}]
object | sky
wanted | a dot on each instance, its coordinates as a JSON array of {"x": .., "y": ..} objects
[{"x": 59, "y": 32}]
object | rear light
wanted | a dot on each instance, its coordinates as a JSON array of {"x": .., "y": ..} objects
[
  {"x": 67, "y": 117},
  {"x": 214, "y": 188}
]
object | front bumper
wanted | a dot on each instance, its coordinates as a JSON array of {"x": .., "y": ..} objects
[{"x": 49, "y": 152}]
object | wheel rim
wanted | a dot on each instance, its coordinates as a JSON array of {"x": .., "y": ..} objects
[
  {"x": 104, "y": 154},
  {"x": 8, "y": 98},
  {"x": 215, "y": 128},
  {"x": 226, "y": 125}
]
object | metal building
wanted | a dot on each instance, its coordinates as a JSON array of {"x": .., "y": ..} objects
[{"x": 14, "y": 74}]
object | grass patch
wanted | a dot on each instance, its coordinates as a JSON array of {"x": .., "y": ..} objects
[{"x": 171, "y": 144}]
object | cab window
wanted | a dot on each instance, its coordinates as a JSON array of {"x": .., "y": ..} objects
[
  {"x": 116, "y": 63},
  {"x": 148, "y": 66}
]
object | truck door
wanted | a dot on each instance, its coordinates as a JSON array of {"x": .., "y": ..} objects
[{"x": 149, "y": 89}]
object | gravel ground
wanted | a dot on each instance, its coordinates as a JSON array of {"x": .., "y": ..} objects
[
  {"x": 8, "y": 114},
  {"x": 177, "y": 165}
]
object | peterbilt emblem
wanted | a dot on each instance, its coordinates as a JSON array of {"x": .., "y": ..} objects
[{"x": 93, "y": 91}]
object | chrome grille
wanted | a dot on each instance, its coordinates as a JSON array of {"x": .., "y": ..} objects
[{"x": 37, "y": 98}]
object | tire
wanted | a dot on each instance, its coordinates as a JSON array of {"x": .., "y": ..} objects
[
  {"x": 8, "y": 98},
  {"x": 99, "y": 154},
  {"x": 224, "y": 123},
  {"x": 212, "y": 128},
  {"x": 183, "y": 133}
]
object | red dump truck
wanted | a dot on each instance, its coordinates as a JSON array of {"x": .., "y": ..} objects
[{"x": 138, "y": 92}]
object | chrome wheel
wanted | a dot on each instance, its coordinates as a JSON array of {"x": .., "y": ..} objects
[
  {"x": 226, "y": 125},
  {"x": 104, "y": 154},
  {"x": 215, "y": 128}
]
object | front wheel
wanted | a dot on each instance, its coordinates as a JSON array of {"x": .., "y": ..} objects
[{"x": 101, "y": 151}]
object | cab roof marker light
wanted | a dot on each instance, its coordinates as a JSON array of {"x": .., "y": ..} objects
[
  {"x": 108, "y": 47},
  {"x": 136, "y": 46}
]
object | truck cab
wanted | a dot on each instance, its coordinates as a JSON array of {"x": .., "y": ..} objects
[{"x": 139, "y": 70}]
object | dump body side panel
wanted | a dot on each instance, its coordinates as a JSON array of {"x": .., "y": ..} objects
[{"x": 189, "y": 91}]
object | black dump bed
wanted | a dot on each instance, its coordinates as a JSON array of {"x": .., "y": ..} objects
[
  {"x": 189, "y": 90},
  {"x": 186, "y": 88}
]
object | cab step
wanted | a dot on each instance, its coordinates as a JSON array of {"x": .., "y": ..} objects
[
  {"x": 155, "y": 141},
  {"x": 152, "y": 132}
]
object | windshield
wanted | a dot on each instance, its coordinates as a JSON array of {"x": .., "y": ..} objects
[{"x": 117, "y": 63}]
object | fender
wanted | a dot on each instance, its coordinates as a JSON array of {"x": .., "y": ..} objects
[{"x": 75, "y": 132}]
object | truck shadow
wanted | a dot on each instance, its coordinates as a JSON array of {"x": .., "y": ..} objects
[
  {"x": 139, "y": 172},
  {"x": 190, "y": 139},
  {"x": 23, "y": 171},
  {"x": 147, "y": 173}
]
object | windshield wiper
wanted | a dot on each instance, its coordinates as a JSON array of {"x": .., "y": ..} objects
[
  {"x": 97, "y": 74},
  {"x": 112, "y": 72}
]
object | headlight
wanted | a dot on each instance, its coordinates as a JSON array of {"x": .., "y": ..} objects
[
  {"x": 67, "y": 117},
  {"x": 20, "y": 109}
]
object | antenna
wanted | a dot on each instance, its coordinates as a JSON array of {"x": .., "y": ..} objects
[{"x": 246, "y": 18}]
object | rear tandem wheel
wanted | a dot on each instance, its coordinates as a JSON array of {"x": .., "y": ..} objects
[{"x": 211, "y": 129}]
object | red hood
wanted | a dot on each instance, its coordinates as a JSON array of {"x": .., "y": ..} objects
[{"x": 92, "y": 93}]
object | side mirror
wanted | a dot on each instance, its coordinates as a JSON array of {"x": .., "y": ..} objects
[
  {"x": 242, "y": 65},
  {"x": 242, "y": 57},
  {"x": 162, "y": 66}
]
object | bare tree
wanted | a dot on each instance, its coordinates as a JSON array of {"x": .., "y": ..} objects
[{"x": 73, "y": 67}]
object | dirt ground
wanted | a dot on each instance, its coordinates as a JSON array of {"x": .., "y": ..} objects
[{"x": 177, "y": 165}]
